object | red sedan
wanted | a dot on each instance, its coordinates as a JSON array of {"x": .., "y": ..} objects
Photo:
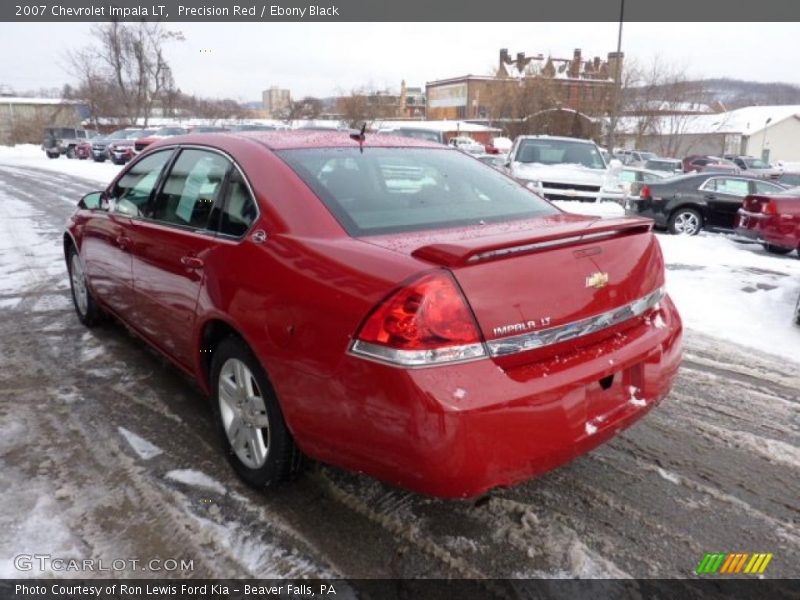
[
  {"x": 773, "y": 220},
  {"x": 386, "y": 305}
]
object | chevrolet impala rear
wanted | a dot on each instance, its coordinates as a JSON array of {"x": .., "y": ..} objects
[{"x": 517, "y": 338}]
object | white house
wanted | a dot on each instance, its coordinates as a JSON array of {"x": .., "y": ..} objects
[{"x": 752, "y": 130}]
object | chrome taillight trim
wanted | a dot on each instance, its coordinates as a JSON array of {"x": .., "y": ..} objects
[
  {"x": 418, "y": 358},
  {"x": 576, "y": 329}
]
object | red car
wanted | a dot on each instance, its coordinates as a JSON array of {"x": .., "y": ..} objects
[
  {"x": 386, "y": 305},
  {"x": 697, "y": 163},
  {"x": 773, "y": 220}
]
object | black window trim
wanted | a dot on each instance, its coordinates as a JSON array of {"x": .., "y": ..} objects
[
  {"x": 156, "y": 188},
  {"x": 220, "y": 202}
]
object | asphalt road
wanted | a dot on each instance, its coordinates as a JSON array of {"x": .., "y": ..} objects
[{"x": 716, "y": 467}]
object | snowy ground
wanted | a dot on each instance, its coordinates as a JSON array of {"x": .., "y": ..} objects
[{"x": 108, "y": 452}]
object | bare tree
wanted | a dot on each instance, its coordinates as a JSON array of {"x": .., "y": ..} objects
[
  {"x": 516, "y": 101},
  {"x": 364, "y": 105},
  {"x": 128, "y": 59},
  {"x": 307, "y": 108},
  {"x": 659, "y": 105}
]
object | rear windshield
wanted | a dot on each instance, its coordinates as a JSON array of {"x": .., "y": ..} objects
[{"x": 390, "y": 190}]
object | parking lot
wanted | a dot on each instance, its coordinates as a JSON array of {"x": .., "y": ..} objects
[{"x": 110, "y": 452}]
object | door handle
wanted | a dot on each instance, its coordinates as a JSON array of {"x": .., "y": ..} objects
[{"x": 192, "y": 262}]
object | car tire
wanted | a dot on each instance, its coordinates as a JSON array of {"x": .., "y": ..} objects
[
  {"x": 253, "y": 432},
  {"x": 89, "y": 313},
  {"x": 70, "y": 153},
  {"x": 779, "y": 250},
  {"x": 685, "y": 221},
  {"x": 100, "y": 160},
  {"x": 53, "y": 155},
  {"x": 797, "y": 312}
]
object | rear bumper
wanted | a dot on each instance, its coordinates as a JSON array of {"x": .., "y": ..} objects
[
  {"x": 459, "y": 430},
  {"x": 643, "y": 207},
  {"x": 767, "y": 229}
]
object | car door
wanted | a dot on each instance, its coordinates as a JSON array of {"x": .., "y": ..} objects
[
  {"x": 172, "y": 243},
  {"x": 107, "y": 241},
  {"x": 723, "y": 196}
]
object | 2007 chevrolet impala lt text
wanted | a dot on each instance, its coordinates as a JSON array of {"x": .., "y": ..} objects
[{"x": 387, "y": 305}]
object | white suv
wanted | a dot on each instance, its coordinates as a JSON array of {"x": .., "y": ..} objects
[{"x": 562, "y": 168}]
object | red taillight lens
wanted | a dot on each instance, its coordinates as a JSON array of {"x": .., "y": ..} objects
[
  {"x": 645, "y": 191},
  {"x": 770, "y": 208},
  {"x": 426, "y": 322}
]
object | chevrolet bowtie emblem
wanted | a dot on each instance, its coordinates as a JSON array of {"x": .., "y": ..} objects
[{"x": 597, "y": 280}]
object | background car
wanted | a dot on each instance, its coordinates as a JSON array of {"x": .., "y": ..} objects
[
  {"x": 378, "y": 304},
  {"x": 62, "y": 140},
  {"x": 754, "y": 166},
  {"x": 497, "y": 161},
  {"x": 688, "y": 203},
  {"x": 101, "y": 145},
  {"x": 772, "y": 219},
  {"x": 122, "y": 150},
  {"x": 634, "y": 158},
  {"x": 207, "y": 129},
  {"x": 634, "y": 178},
  {"x": 563, "y": 168},
  {"x": 159, "y": 134},
  {"x": 468, "y": 145},
  {"x": 671, "y": 166},
  {"x": 699, "y": 163}
]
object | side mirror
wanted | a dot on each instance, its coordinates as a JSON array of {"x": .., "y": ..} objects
[{"x": 92, "y": 201}]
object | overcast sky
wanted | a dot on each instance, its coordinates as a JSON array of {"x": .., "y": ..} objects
[{"x": 238, "y": 60}]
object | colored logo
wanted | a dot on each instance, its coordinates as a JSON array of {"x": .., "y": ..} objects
[{"x": 734, "y": 563}]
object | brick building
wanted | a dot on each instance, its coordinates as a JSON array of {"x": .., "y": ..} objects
[{"x": 585, "y": 86}]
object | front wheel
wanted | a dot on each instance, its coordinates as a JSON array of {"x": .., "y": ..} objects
[
  {"x": 53, "y": 155},
  {"x": 70, "y": 152},
  {"x": 254, "y": 435},
  {"x": 779, "y": 250},
  {"x": 88, "y": 311},
  {"x": 685, "y": 221}
]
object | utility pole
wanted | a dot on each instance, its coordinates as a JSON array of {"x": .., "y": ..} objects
[{"x": 612, "y": 125}]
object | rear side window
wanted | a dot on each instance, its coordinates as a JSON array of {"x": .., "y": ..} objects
[
  {"x": 735, "y": 187},
  {"x": 239, "y": 211},
  {"x": 191, "y": 189},
  {"x": 389, "y": 190},
  {"x": 763, "y": 187},
  {"x": 133, "y": 190}
]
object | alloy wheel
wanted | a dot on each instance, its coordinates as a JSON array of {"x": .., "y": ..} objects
[
  {"x": 687, "y": 223},
  {"x": 79, "y": 291},
  {"x": 244, "y": 414}
]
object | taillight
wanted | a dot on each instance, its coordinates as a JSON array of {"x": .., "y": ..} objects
[
  {"x": 770, "y": 208},
  {"x": 645, "y": 191},
  {"x": 425, "y": 323}
]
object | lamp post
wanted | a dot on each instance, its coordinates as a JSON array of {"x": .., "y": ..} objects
[
  {"x": 612, "y": 125},
  {"x": 764, "y": 152}
]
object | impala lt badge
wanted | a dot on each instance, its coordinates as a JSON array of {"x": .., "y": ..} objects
[{"x": 597, "y": 280}]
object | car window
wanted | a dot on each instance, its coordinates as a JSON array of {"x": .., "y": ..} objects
[
  {"x": 627, "y": 175},
  {"x": 764, "y": 187},
  {"x": 191, "y": 189},
  {"x": 648, "y": 177},
  {"x": 239, "y": 210},
  {"x": 389, "y": 190},
  {"x": 133, "y": 190},
  {"x": 734, "y": 187}
]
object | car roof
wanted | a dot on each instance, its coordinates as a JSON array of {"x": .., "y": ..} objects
[
  {"x": 555, "y": 137},
  {"x": 299, "y": 139}
]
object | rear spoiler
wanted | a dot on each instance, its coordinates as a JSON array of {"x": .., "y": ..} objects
[{"x": 470, "y": 251}]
